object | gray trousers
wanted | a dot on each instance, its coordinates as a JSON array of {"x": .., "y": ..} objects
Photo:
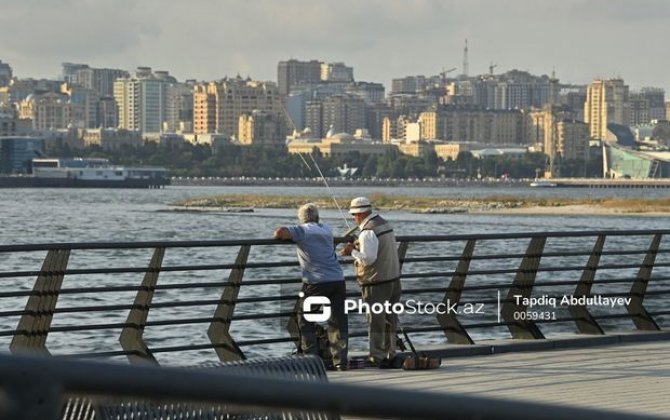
[
  {"x": 337, "y": 326},
  {"x": 382, "y": 327}
]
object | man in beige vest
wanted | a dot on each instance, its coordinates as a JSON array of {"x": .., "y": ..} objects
[{"x": 378, "y": 271}]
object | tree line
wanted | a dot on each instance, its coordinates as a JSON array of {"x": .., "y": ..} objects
[{"x": 230, "y": 160}]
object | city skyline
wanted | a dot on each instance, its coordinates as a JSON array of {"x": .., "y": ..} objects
[{"x": 206, "y": 40}]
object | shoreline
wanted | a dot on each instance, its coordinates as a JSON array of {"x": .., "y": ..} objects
[
  {"x": 486, "y": 206},
  {"x": 570, "y": 210}
]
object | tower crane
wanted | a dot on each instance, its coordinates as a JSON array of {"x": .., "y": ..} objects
[
  {"x": 445, "y": 72},
  {"x": 491, "y": 67}
]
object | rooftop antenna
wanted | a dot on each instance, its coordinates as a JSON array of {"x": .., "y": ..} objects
[{"x": 465, "y": 59}]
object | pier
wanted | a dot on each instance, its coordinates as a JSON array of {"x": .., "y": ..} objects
[
  {"x": 612, "y": 183},
  {"x": 629, "y": 377},
  {"x": 569, "y": 323}
]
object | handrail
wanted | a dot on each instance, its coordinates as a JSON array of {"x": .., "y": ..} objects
[
  {"x": 35, "y": 387},
  {"x": 242, "y": 242},
  {"x": 245, "y": 296}
]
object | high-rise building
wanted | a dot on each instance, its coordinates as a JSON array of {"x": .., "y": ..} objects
[
  {"x": 338, "y": 113},
  {"x": 261, "y": 128},
  {"x": 646, "y": 105},
  {"x": 217, "y": 106},
  {"x": 142, "y": 100},
  {"x": 514, "y": 90},
  {"x": 70, "y": 71},
  {"x": 84, "y": 105},
  {"x": 556, "y": 130},
  {"x": 371, "y": 93},
  {"x": 108, "y": 113},
  {"x": 336, "y": 72},
  {"x": 574, "y": 98},
  {"x": 473, "y": 124},
  {"x": 5, "y": 74},
  {"x": 375, "y": 119},
  {"x": 573, "y": 139},
  {"x": 314, "y": 118},
  {"x": 179, "y": 113},
  {"x": 48, "y": 111},
  {"x": 205, "y": 98},
  {"x": 101, "y": 80},
  {"x": 293, "y": 72},
  {"x": 408, "y": 85},
  {"x": 606, "y": 103}
]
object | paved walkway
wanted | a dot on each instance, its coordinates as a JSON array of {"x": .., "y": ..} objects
[{"x": 626, "y": 378}]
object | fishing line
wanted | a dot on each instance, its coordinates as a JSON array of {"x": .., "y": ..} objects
[{"x": 316, "y": 165}]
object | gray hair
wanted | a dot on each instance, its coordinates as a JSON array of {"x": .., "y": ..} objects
[{"x": 308, "y": 213}]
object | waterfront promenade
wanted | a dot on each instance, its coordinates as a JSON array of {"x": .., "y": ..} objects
[{"x": 626, "y": 378}]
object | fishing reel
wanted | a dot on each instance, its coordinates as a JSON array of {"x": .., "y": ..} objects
[{"x": 351, "y": 235}]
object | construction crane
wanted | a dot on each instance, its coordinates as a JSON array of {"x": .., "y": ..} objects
[
  {"x": 491, "y": 67},
  {"x": 445, "y": 72}
]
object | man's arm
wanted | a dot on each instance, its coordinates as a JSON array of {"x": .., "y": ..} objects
[
  {"x": 368, "y": 246},
  {"x": 282, "y": 233}
]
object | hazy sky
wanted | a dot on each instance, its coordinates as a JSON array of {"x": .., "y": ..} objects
[{"x": 381, "y": 39}]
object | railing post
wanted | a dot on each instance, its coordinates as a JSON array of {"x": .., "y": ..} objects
[
  {"x": 584, "y": 320},
  {"x": 219, "y": 329},
  {"x": 131, "y": 336},
  {"x": 523, "y": 286},
  {"x": 34, "y": 325},
  {"x": 641, "y": 318},
  {"x": 453, "y": 329},
  {"x": 402, "y": 252}
]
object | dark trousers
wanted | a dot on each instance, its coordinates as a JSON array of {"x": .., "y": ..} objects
[
  {"x": 382, "y": 327},
  {"x": 338, "y": 326}
]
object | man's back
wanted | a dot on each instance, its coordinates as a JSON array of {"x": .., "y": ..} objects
[{"x": 316, "y": 252}]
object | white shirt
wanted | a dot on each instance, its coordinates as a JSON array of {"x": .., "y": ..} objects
[{"x": 368, "y": 245}]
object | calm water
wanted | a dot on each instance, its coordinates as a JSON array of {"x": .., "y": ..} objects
[
  {"x": 75, "y": 215},
  {"x": 106, "y": 215}
]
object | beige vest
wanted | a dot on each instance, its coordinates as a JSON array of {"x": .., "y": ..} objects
[{"x": 387, "y": 267}]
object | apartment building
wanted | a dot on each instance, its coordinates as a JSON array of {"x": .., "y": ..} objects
[
  {"x": 336, "y": 72},
  {"x": 5, "y": 74},
  {"x": 142, "y": 100},
  {"x": 261, "y": 128},
  {"x": 337, "y": 113},
  {"x": 646, "y": 105},
  {"x": 217, "y": 106},
  {"x": 48, "y": 111},
  {"x": 606, "y": 103},
  {"x": 292, "y": 72},
  {"x": 573, "y": 139},
  {"x": 473, "y": 124}
]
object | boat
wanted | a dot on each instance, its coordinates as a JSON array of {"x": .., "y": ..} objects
[
  {"x": 86, "y": 173},
  {"x": 543, "y": 183}
]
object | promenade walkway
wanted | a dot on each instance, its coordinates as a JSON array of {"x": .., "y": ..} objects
[{"x": 631, "y": 378}]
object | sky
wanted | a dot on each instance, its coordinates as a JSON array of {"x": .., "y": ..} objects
[{"x": 381, "y": 39}]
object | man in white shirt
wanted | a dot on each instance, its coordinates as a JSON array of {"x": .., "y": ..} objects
[{"x": 378, "y": 271}]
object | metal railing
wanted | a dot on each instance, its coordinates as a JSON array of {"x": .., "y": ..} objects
[
  {"x": 181, "y": 302},
  {"x": 36, "y": 387}
]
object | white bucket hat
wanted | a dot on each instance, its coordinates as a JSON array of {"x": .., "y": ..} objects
[{"x": 359, "y": 205}]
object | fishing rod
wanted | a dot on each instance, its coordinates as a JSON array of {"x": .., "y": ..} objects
[
  {"x": 316, "y": 165},
  {"x": 350, "y": 229}
]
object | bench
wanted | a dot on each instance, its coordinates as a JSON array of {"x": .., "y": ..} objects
[{"x": 292, "y": 368}]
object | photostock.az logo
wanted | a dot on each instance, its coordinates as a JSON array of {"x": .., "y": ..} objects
[{"x": 317, "y": 302}]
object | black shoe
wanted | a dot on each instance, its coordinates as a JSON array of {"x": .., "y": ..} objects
[
  {"x": 338, "y": 367},
  {"x": 372, "y": 362},
  {"x": 393, "y": 363},
  {"x": 341, "y": 367}
]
